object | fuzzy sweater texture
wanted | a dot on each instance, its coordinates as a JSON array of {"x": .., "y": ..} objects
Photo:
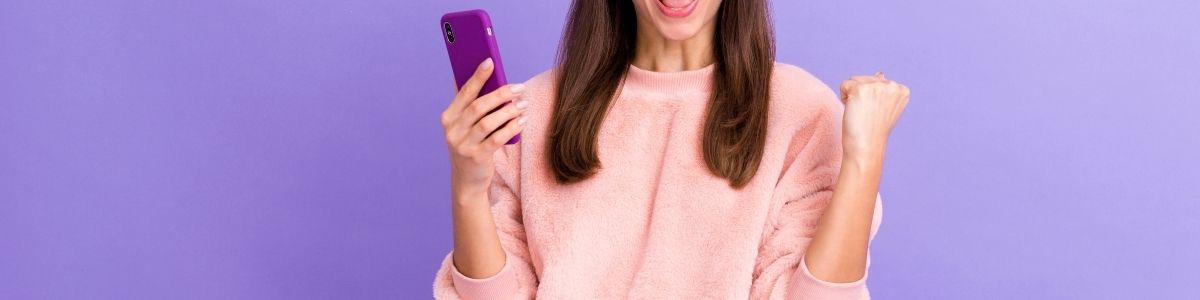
[{"x": 654, "y": 222}]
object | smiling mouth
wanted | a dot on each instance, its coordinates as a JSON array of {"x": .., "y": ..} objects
[{"x": 677, "y": 8}]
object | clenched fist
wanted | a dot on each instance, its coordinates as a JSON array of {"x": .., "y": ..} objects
[{"x": 873, "y": 105}]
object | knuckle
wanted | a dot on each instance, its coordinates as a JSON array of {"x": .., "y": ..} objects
[
  {"x": 476, "y": 109},
  {"x": 510, "y": 128},
  {"x": 507, "y": 110},
  {"x": 485, "y": 102},
  {"x": 498, "y": 139},
  {"x": 479, "y": 157},
  {"x": 486, "y": 124},
  {"x": 478, "y": 128},
  {"x": 503, "y": 135},
  {"x": 463, "y": 151}
]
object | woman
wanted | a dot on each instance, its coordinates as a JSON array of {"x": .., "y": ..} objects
[{"x": 667, "y": 156}]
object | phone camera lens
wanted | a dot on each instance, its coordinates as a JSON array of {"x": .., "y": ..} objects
[{"x": 449, "y": 32}]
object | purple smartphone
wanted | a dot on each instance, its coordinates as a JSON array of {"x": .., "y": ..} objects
[{"x": 470, "y": 39}]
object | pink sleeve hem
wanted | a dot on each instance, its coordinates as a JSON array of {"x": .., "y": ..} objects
[
  {"x": 502, "y": 285},
  {"x": 808, "y": 286}
]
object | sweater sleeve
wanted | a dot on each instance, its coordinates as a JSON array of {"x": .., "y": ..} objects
[
  {"x": 516, "y": 279},
  {"x": 801, "y": 196}
]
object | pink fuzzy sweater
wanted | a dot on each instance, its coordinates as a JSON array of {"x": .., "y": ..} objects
[{"x": 653, "y": 222}]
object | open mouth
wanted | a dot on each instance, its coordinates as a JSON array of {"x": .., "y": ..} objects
[{"x": 677, "y": 8}]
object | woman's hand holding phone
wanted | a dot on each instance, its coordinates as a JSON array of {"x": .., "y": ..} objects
[{"x": 474, "y": 131}]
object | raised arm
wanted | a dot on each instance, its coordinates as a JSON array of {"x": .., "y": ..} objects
[
  {"x": 838, "y": 252},
  {"x": 485, "y": 236}
]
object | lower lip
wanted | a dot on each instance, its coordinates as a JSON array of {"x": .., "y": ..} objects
[{"x": 677, "y": 12}]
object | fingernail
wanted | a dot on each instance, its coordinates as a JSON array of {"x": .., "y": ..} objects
[
  {"x": 516, "y": 88},
  {"x": 522, "y": 120},
  {"x": 522, "y": 103},
  {"x": 487, "y": 63}
]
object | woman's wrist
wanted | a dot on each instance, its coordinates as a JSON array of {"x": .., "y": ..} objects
[
  {"x": 864, "y": 152},
  {"x": 468, "y": 194}
]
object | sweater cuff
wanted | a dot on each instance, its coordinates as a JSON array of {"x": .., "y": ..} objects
[
  {"x": 805, "y": 285},
  {"x": 502, "y": 285}
]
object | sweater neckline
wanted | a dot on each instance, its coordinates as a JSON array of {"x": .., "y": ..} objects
[{"x": 688, "y": 80}]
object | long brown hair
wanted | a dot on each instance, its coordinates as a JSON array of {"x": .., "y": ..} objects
[{"x": 594, "y": 56}]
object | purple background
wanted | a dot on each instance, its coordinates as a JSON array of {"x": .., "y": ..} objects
[{"x": 290, "y": 149}]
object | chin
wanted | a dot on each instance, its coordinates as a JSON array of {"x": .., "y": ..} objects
[
  {"x": 679, "y": 32},
  {"x": 678, "y": 20}
]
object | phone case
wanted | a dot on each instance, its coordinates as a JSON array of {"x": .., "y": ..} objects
[{"x": 469, "y": 40}]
